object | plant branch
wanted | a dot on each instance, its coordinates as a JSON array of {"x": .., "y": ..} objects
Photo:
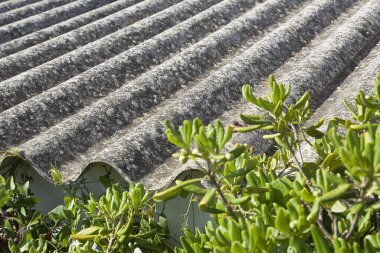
[
  {"x": 299, "y": 166},
  {"x": 335, "y": 224},
  {"x": 109, "y": 248},
  {"x": 298, "y": 140},
  {"x": 221, "y": 194},
  {"x": 348, "y": 233},
  {"x": 322, "y": 227}
]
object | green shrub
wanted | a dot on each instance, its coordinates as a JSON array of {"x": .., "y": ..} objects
[
  {"x": 119, "y": 221},
  {"x": 282, "y": 203}
]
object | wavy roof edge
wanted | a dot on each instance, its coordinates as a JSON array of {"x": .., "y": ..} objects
[{"x": 103, "y": 90}]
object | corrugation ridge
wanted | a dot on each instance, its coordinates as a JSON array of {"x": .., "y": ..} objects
[
  {"x": 38, "y": 54},
  {"x": 30, "y": 10},
  {"x": 45, "y": 76},
  {"x": 361, "y": 76},
  {"x": 49, "y": 18},
  {"x": 261, "y": 89},
  {"x": 361, "y": 79},
  {"x": 211, "y": 48},
  {"x": 6, "y": 5},
  {"x": 209, "y": 97},
  {"x": 143, "y": 148},
  {"x": 39, "y": 36}
]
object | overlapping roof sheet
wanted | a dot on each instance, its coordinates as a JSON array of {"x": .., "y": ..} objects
[{"x": 90, "y": 81}]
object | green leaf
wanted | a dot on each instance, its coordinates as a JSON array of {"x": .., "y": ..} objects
[
  {"x": 236, "y": 151},
  {"x": 234, "y": 230},
  {"x": 335, "y": 194},
  {"x": 146, "y": 245},
  {"x": 237, "y": 248},
  {"x": 338, "y": 207},
  {"x": 254, "y": 119},
  {"x": 186, "y": 245},
  {"x": 174, "y": 191},
  {"x": 57, "y": 177},
  {"x": 280, "y": 142},
  {"x": 4, "y": 197},
  {"x": 240, "y": 200},
  {"x": 174, "y": 139},
  {"x": 195, "y": 189},
  {"x": 253, "y": 189},
  {"x": 320, "y": 243},
  {"x": 227, "y": 135},
  {"x": 35, "y": 218},
  {"x": 10, "y": 184},
  {"x": 271, "y": 136},
  {"x": 248, "y": 128},
  {"x": 207, "y": 199},
  {"x": 278, "y": 109},
  {"x": 10, "y": 231},
  {"x": 307, "y": 196},
  {"x": 282, "y": 222},
  {"x": 314, "y": 133},
  {"x": 186, "y": 131},
  {"x": 247, "y": 94},
  {"x": 87, "y": 233},
  {"x": 302, "y": 100},
  {"x": 23, "y": 189},
  {"x": 220, "y": 134},
  {"x": 313, "y": 215}
]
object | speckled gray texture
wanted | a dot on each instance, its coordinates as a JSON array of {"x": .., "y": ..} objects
[
  {"x": 48, "y": 18},
  {"x": 144, "y": 144},
  {"x": 10, "y": 5},
  {"x": 131, "y": 98},
  {"x": 29, "y": 10},
  {"x": 39, "y": 36},
  {"x": 45, "y": 76},
  {"x": 112, "y": 112},
  {"x": 38, "y": 54},
  {"x": 361, "y": 79}
]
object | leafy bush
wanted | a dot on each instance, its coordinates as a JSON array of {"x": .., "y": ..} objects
[
  {"x": 283, "y": 203},
  {"x": 119, "y": 221}
]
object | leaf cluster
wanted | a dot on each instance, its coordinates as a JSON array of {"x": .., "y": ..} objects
[
  {"x": 122, "y": 220},
  {"x": 282, "y": 202}
]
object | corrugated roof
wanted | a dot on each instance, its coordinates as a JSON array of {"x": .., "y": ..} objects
[{"x": 87, "y": 81}]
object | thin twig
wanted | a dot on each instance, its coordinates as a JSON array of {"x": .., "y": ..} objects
[
  {"x": 335, "y": 225},
  {"x": 322, "y": 227},
  {"x": 212, "y": 179},
  {"x": 347, "y": 234},
  {"x": 221, "y": 194},
  {"x": 297, "y": 141},
  {"x": 109, "y": 248},
  {"x": 299, "y": 166}
]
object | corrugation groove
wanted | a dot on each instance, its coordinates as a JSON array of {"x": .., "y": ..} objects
[
  {"x": 99, "y": 92},
  {"x": 132, "y": 61},
  {"x": 73, "y": 63},
  {"x": 207, "y": 100},
  {"x": 39, "y": 36},
  {"x": 125, "y": 108},
  {"x": 6, "y": 5},
  {"x": 48, "y": 18},
  {"x": 36, "y": 55},
  {"x": 30, "y": 10}
]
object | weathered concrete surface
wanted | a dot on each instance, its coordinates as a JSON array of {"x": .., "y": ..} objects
[
  {"x": 29, "y": 10},
  {"x": 99, "y": 93}
]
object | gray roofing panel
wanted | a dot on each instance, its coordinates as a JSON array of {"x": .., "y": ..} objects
[{"x": 102, "y": 93}]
